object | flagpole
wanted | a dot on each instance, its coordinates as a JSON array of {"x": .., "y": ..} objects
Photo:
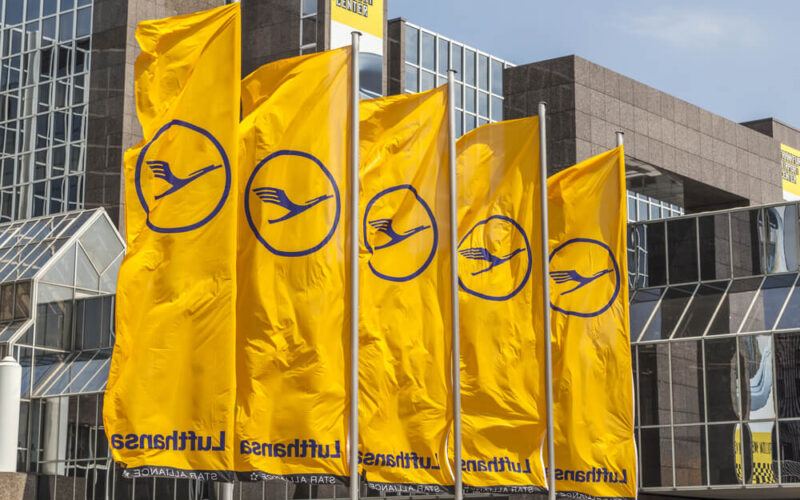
[
  {"x": 548, "y": 349},
  {"x": 620, "y": 136},
  {"x": 355, "y": 94},
  {"x": 456, "y": 342}
]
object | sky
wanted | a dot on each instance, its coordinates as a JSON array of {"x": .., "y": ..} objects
[{"x": 739, "y": 59}]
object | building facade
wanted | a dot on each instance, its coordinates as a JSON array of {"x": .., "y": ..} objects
[{"x": 715, "y": 320}]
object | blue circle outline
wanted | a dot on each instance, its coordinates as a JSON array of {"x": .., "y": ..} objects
[
  {"x": 138, "y": 178},
  {"x": 616, "y": 273},
  {"x": 435, "y": 228},
  {"x": 527, "y": 271},
  {"x": 299, "y": 253}
]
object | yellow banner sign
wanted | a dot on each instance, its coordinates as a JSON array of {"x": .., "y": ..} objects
[
  {"x": 790, "y": 171},
  {"x": 365, "y": 16}
]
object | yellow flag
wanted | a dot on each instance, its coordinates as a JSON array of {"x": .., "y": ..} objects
[
  {"x": 592, "y": 378},
  {"x": 293, "y": 331},
  {"x": 502, "y": 363},
  {"x": 405, "y": 411},
  {"x": 169, "y": 404}
]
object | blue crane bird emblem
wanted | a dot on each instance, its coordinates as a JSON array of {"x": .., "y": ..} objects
[
  {"x": 561, "y": 277},
  {"x": 161, "y": 170},
  {"x": 385, "y": 227},
  {"x": 479, "y": 253},
  {"x": 278, "y": 197}
]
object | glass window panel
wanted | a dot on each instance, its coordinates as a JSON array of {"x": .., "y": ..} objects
[
  {"x": 723, "y": 447},
  {"x": 787, "y": 373},
  {"x": 682, "y": 246},
  {"x": 641, "y": 308},
  {"x": 412, "y": 45},
  {"x": 309, "y": 30},
  {"x": 428, "y": 80},
  {"x": 444, "y": 56},
  {"x": 309, "y": 7},
  {"x": 48, "y": 28},
  {"x": 782, "y": 238},
  {"x": 22, "y": 304},
  {"x": 483, "y": 103},
  {"x": 652, "y": 254},
  {"x": 13, "y": 12},
  {"x": 715, "y": 254},
  {"x": 67, "y": 4},
  {"x": 791, "y": 315},
  {"x": 469, "y": 99},
  {"x": 497, "y": 109},
  {"x": 459, "y": 95},
  {"x": 89, "y": 322},
  {"x": 469, "y": 122},
  {"x": 44, "y": 364},
  {"x": 86, "y": 276},
  {"x": 7, "y": 302},
  {"x": 654, "y": 404},
  {"x": 644, "y": 211},
  {"x": 54, "y": 323},
  {"x": 483, "y": 72},
  {"x": 734, "y": 306},
  {"x": 768, "y": 303},
  {"x": 33, "y": 9},
  {"x": 81, "y": 3},
  {"x": 458, "y": 58},
  {"x": 108, "y": 282},
  {"x": 701, "y": 310},
  {"x": 690, "y": 456},
  {"x": 668, "y": 313},
  {"x": 497, "y": 77},
  {"x": 412, "y": 74},
  {"x": 755, "y": 354},
  {"x": 790, "y": 451},
  {"x": 66, "y": 375},
  {"x": 688, "y": 405},
  {"x": 656, "y": 456},
  {"x": 746, "y": 242},
  {"x": 469, "y": 66},
  {"x": 459, "y": 123},
  {"x": 65, "y": 27},
  {"x": 722, "y": 394},
  {"x": 428, "y": 51},
  {"x": 98, "y": 382}
]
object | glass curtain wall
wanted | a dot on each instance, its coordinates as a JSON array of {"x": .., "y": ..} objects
[
  {"x": 45, "y": 48},
  {"x": 479, "y": 76},
  {"x": 715, "y": 325}
]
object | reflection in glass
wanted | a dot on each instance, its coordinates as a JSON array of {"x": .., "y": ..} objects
[
  {"x": 690, "y": 454},
  {"x": 701, "y": 310},
  {"x": 469, "y": 66},
  {"x": 654, "y": 407},
  {"x": 790, "y": 451},
  {"x": 444, "y": 56},
  {"x": 723, "y": 448},
  {"x": 755, "y": 353},
  {"x": 687, "y": 382},
  {"x": 721, "y": 380},
  {"x": 669, "y": 312},
  {"x": 656, "y": 261},
  {"x": 412, "y": 45},
  {"x": 754, "y": 462},
  {"x": 782, "y": 238},
  {"x": 641, "y": 308},
  {"x": 734, "y": 306},
  {"x": 715, "y": 252},
  {"x": 656, "y": 456},
  {"x": 768, "y": 303},
  {"x": 746, "y": 242},
  {"x": 412, "y": 75},
  {"x": 787, "y": 373},
  {"x": 428, "y": 51},
  {"x": 682, "y": 246}
]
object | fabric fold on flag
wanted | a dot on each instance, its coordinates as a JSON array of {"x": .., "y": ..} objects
[
  {"x": 170, "y": 399},
  {"x": 292, "y": 357},
  {"x": 405, "y": 406},
  {"x": 502, "y": 355},
  {"x": 592, "y": 377}
]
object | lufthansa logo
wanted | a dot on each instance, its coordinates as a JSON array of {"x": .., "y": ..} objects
[
  {"x": 400, "y": 233},
  {"x": 585, "y": 276},
  {"x": 292, "y": 203},
  {"x": 495, "y": 261},
  {"x": 181, "y": 192}
]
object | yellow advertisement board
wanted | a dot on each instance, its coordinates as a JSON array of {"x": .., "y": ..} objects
[
  {"x": 790, "y": 166},
  {"x": 365, "y": 16}
]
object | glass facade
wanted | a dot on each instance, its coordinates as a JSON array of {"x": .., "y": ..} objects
[
  {"x": 715, "y": 327},
  {"x": 308, "y": 26},
  {"x": 479, "y": 76},
  {"x": 45, "y": 49}
]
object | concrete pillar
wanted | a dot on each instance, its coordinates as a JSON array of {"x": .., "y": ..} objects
[
  {"x": 56, "y": 413},
  {"x": 223, "y": 491},
  {"x": 10, "y": 386}
]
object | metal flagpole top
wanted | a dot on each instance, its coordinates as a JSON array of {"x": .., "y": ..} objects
[{"x": 620, "y": 136}]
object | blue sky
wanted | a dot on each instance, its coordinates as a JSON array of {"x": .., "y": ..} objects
[{"x": 740, "y": 59}]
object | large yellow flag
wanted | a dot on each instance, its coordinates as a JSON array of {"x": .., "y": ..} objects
[
  {"x": 169, "y": 404},
  {"x": 405, "y": 410},
  {"x": 293, "y": 331},
  {"x": 502, "y": 363},
  {"x": 592, "y": 378}
]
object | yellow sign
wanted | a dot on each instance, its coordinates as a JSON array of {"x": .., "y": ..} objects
[
  {"x": 365, "y": 16},
  {"x": 790, "y": 166}
]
